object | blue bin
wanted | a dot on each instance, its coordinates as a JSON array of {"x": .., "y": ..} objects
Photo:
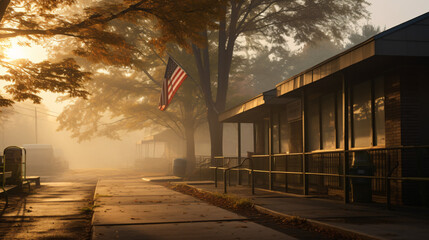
[{"x": 179, "y": 167}]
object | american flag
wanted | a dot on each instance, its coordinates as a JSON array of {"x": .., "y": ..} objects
[{"x": 174, "y": 77}]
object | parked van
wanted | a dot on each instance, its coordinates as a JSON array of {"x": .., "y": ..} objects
[{"x": 41, "y": 160}]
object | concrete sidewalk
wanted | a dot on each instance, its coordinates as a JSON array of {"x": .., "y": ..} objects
[
  {"x": 368, "y": 220},
  {"x": 135, "y": 209}
]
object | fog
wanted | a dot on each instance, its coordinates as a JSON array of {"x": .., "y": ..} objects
[
  {"x": 147, "y": 149},
  {"x": 19, "y": 128}
]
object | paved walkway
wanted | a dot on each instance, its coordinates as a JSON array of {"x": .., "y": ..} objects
[
  {"x": 370, "y": 220},
  {"x": 134, "y": 209},
  {"x": 52, "y": 211}
]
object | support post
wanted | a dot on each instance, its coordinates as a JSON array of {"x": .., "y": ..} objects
[
  {"x": 239, "y": 152},
  {"x": 215, "y": 177},
  {"x": 252, "y": 182},
  {"x": 345, "y": 94},
  {"x": 388, "y": 192},
  {"x": 224, "y": 181},
  {"x": 270, "y": 150},
  {"x": 304, "y": 164}
]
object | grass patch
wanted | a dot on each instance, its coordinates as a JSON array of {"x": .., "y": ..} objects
[
  {"x": 88, "y": 209},
  {"x": 101, "y": 195},
  {"x": 218, "y": 199},
  {"x": 246, "y": 207}
]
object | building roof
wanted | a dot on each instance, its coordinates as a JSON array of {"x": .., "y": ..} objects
[
  {"x": 410, "y": 38},
  {"x": 249, "y": 105}
]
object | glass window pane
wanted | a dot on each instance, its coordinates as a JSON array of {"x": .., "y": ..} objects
[
  {"x": 328, "y": 121},
  {"x": 259, "y": 138},
  {"x": 284, "y": 133},
  {"x": 275, "y": 133},
  {"x": 362, "y": 114},
  {"x": 266, "y": 135},
  {"x": 340, "y": 140},
  {"x": 291, "y": 128},
  {"x": 379, "y": 111},
  {"x": 313, "y": 125},
  {"x": 295, "y": 145}
]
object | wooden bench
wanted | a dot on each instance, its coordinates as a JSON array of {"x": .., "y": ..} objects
[
  {"x": 7, "y": 188},
  {"x": 35, "y": 179}
]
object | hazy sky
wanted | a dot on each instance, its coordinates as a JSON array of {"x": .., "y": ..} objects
[
  {"x": 384, "y": 13},
  {"x": 389, "y": 13}
]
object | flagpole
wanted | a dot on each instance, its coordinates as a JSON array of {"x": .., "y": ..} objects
[{"x": 199, "y": 86}]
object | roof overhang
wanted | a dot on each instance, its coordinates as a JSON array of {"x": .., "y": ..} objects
[
  {"x": 335, "y": 64},
  {"x": 410, "y": 39},
  {"x": 252, "y": 109}
]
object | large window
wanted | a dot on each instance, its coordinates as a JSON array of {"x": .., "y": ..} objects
[
  {"x": 324, "y": 120},
  {"x": 339, "y": 112},
  {"x": 324, "y": 114},
  {"x": 379, "y": 112},
  {"x": 328, "y": 121},
  {"x": 368, "y": 120},
  {"x": 291, "y": 128},
  {"x": 313, "y": 124},
  {"x": 275, "y": 133},
  {"x": 362, "y": 120}
]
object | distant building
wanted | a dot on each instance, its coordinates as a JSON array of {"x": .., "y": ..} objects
[
  {"x": 156, "y": 152},
  {"x": 362, "y": 112}
]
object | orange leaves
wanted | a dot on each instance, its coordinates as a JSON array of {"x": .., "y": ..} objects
[
  {"x": 28, "y": 79},
  {"x": 183, "y": 21},
  {"x": 175, "y": 21}
]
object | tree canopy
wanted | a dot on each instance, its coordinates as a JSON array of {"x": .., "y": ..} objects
[
  {"x": 88, "y": 24},
  {"x": 250, "y": 25},
  {"x": 93, "y": 30}
]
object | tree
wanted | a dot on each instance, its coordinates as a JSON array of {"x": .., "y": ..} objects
[
  {"x": 268, "y": 64},
  {"x": 87, "y": 27},
  {"x": 127, "y": 96},
  {"x": 125, "y": 100},
  {"x": 39, "y": 20},
  {"x": 262, "y": 22}
]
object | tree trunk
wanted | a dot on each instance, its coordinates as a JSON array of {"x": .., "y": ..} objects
[
  {"x": 215, "y": 127},
  {"x": 190, "y": 147},
  {"x": 216, "y": 133},
  {"x": 189, "y": 126},
  {"x": 225, "y": 51},
  {"x": 214, "y": 108},
  {"x": 3, "y": 6}
]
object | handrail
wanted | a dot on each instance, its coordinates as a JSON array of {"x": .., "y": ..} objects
[
  {"x": 239, "y": 165},
  {"x": 225, "y": 170},
  {"x": 336, "y": 151},
  {"x": 386, "y": 175}
]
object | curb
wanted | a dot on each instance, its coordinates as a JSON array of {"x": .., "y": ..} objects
[
  {"x": 93, "y": 200},
  {"x": 319, "y": 224},
  {"x": 315, "y": 223}
]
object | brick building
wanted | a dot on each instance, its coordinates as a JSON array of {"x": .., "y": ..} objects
[{"x": 355, "y": 124}]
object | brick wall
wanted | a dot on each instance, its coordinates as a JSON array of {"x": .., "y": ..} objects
[
  {"x": 414, "y": 118},
  {"x": 392, "y": 92},
  {"x": 392, "y": 109}
]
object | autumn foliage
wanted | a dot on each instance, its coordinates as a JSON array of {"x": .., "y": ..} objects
[{"x": 88, "y": 24}]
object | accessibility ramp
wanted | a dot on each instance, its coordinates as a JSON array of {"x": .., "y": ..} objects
[{"x": 135, "y": 209}]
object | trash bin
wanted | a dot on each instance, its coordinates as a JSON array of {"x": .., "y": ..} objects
[
  {"x": 179, "y": 167},
  {"x": 361, "y": 187},
  {"x": 13, "y": 163}
]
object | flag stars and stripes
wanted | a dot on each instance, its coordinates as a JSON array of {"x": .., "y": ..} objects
[{"x": 173, "y": 78}]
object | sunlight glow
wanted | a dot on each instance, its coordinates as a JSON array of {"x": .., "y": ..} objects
[
  {"x": 33, "y": 53},
  {"x": 15, "y": 52}
]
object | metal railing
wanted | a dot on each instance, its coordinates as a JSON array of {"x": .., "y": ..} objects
[{"x": 324, "y": 173}]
